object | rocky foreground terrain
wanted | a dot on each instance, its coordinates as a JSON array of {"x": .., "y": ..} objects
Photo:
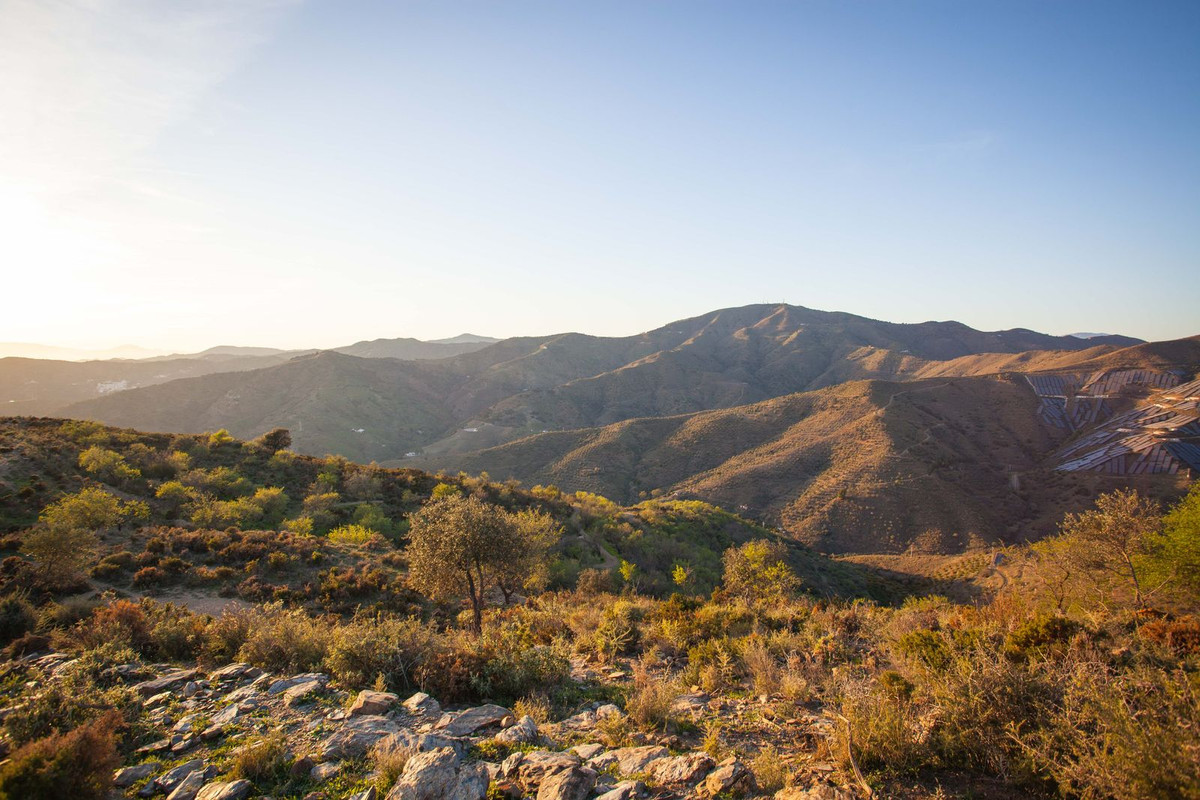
[{"x": 347, "y": 745}]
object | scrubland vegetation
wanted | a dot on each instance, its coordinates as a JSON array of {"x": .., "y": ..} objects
[{"x": 1078, "y": 677}]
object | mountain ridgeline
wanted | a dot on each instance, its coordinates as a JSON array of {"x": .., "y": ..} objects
[{"x": 850, "y": 433}]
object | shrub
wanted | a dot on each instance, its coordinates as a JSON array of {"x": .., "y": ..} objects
[
  {"x": 367, "y": 647},
  {"x": 649, "y": 704},
  {"x": 351, "y": 534},
  {"x": 17, "y": 617},
  {"x": 285, "y": 640},
  {"x": 263, "y": 760},
  {"x": 78, "y": 764}
]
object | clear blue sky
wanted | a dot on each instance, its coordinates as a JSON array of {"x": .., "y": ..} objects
[{"x": 311, "y": 174}]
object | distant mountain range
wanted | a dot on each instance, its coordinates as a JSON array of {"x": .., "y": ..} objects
[{"x": 853, "y": 434}]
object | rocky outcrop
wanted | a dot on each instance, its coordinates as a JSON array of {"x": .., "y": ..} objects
[{"x": 440, "y": 775}]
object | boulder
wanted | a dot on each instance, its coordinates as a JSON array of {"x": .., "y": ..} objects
[
  {"x": 372, "y": 703},
  {"x": 422, "y": 705},
  {"x": 524, "y": 732},
  {"x": 629, "y": 760},
  {"x": 682, "y": 770},
  {"x": 439, "y": 775},
  {"x": 130, "y": 775},
  {"x": 574, "y": 783},
  {"x": 368, "y": 794},
  {"x": 467, "y": 722},
  {"x": 230, "y": 790},
  {"x": 166, "y": 682},
  {"x": 355, "y": 737},
  {"x": 229, "y": 672},
  {"x": 730, "y": 776}
]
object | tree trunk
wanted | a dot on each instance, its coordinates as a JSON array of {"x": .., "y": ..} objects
[{"x": 476, "y": 604}]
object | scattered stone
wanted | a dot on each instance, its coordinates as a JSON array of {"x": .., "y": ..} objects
[
  {"x": 189, "y": 787},
  {"x": 731, "y": 775},
  {"x": 423, "y": 705},
  {"x": 438, "y": 775},
  {"x": 231, "y": 790},
  {"x": 301, "y": 767},
  {"x": 523, "y": 732},
  {"x": 608, "y": 710},
  {"x": 529, "y": 770},
  {"x": 301, "y": 693},
  {"x": 570, "y": 784},
  {"x": 372, "y": 703},
  {"x": 355, "y": 737},
  {"x": 695, "y": 703},
  {"x": 287, "y": 683},
  {"x": 819, "y": 791},
  {"x": 168, "y": 780},
  {"x": 626, "y": 790},
  {"x": 467, "y": 722},
  {"x": 587, "y": 751},
  {"x": 229, "y": 672},
  {"x": 131, "y": 775},
  {"x": 212, "y": 732},
  {"x": 166, "y": 682},
  {"x": 680, "y": 770},
  {"x": 189, "y": 689},
  {"x": 229, "y": 713},
  {"x": 154, "y": 747},
  {"x": 323, "y": 772},
  {"x": 159, "y": 699},
  {"x": 369, "y": 794},
  {"x": 629, "y": 760}
]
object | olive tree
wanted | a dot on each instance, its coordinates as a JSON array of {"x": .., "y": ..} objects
[
  {"x": 461, "y": 546},
  {"x": 64, "y": 541}
]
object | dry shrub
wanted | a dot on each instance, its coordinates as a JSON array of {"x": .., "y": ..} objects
[
  {"x": 535, "y": 706},
  {"x": 1180, "y": 636},
  {"x": 78, "y": 764},
  {"x": 262, "y": 760},
  {"x": 649, "y": 704},
  {"x": 883, "y": 726},
  {"x": 1129, "y": 736},
  {"x": 388, "y": 757},
  {"x": 371, "y": 646},
  {"x": 286, "y": 640},
  {"x": 769, "y": 771},
  {"x": 762, "y": 670}
]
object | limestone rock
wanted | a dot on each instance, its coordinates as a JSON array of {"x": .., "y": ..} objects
[
  {"x": 626, "y": 790},
  {"x": 303, "y": 692},
  {"x": 629, "y": 760},
  {"x": 574, "y": 783},
  {"x": 231, "y": 790},
  {"x": 731, "y": 775},
  {"x": 168, "y": 681},
  {"x": 189, "y": 787},
  {"x": 467, "y": 722},
  {"x": 682, "y": 770},
  {"x": 355, "y": 737},
  {"x": 439, "y": 775},
  {"x": 323, "y": 772},
  {"x": 131, "y": 775},
  {"x": 423, "y": 705},
  {"x": 586, "y": 751},
  {"x": 169, "y": 779},
  {"x": 819, "y": 791},
  {"x": 372, "y": 703},
  {"x": 524, "y": 732},
  {"x": 287, "y": 683}
]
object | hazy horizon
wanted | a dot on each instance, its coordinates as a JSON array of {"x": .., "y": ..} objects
[{"x": 309, "y": 174}]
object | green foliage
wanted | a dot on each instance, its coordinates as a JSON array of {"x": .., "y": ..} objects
[
  {"x": 1175, "y": 555},
  {"x": 351, "y": 534},
  {"x": 220, "y": 438},
  {"x": 65, "y": 540},
  {"x": 758, "y": 570},
  {"x": 107, "y": 465}
]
